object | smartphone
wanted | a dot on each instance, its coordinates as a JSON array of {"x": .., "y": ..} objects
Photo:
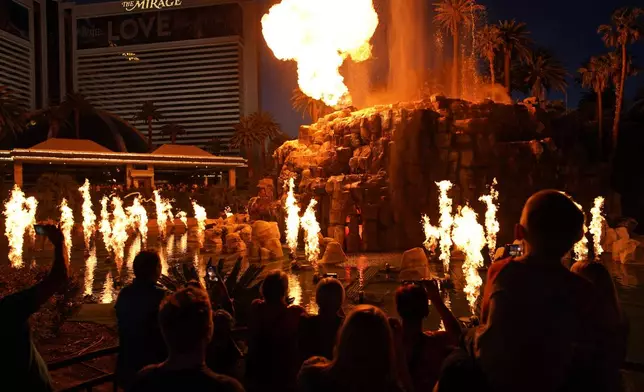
[
  {"x": 515, "y": 250},
  {"x": 40, "y": 229},
  {"x": 331, "y": 275},
  {"x": 212, "y": 274}
]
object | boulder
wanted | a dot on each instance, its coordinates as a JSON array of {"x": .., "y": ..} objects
[
  {"x": 264, "y": 231},
  {"x": 333, "y": 254},
  {"x": 275, "y": 247},
  {"x": 414, "y": 258},
  {"x": 624, "y": 250},
  {"x": 245, "y": 232},
  {"x": 622, "y": 233},
  {"x": 264, "y": 254},
  {"x": 234, "y": 243}
]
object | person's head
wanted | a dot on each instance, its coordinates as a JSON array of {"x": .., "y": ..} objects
[
  {"x": 365, "y": 346},
  {"x": 329, "y": 295},
  {"x": 185, "y": 318},
  {"x": 147, "y": 266},
  {"x": 412, "y": 303},
  {"x": 551, "y": 224},
  {"x": 223, "y": 324},
  {"x": 275, "y": 287},
  {"x": 605, "y": 289}
]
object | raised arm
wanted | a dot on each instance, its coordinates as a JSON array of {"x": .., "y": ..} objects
[{"x": 452, "y": 326}]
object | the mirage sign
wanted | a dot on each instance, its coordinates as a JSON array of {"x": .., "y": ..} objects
[{"x": 143, "y": 5}]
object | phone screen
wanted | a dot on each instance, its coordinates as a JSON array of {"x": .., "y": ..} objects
[
  {"x": 40, "y": 229},
  {"x": 212, "y": 274},
  {"x": 515, "y": 250}
]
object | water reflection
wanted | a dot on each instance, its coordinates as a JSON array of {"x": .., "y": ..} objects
[
  {"x": 90, "y": 266},
  {"x": 294, "y": 288}
]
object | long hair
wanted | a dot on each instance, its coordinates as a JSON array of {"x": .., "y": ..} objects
[{"x": 364, "y": 353}]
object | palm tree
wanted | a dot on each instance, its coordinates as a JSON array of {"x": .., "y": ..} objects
[
  {"x": 623, "y": 31},
  {"x": 246, "y": 138},
  {"x": 266, "y": 127},
  {"x": 12, "y": 120},
  {"x": 304, "y": 104},
  {"x": 78, "y": 104},
  {"x": 488, "y": 44},
  {"x": 173, "y": 129},
  {"x": 148, "y": 112},
  {"x": 545, "y": 73},
  {"x": 514, "y": 41},
  {"x": 450, "y": 15},
  {"x": 215, "y": 146},
  {"x": 596, "y": 75}
]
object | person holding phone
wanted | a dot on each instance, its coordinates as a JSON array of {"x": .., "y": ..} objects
[{"x": 21, "y": 367}]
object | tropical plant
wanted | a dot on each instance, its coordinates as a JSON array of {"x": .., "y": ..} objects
[
  {"x": 78, "y": 104},
  {"x": 308, "y": 105},
  {"x": 267, "y": 128},
  {"x": 148, "y": 112},
  {"x": 487, "y": 45},
  {"x": 624, "y": 30},
  {"x": 51, "y": 189},
  {"x": 12, "y": 120},
  {"x": 246, "y": 138},
  {"x": 215, "y": 145},
  {"x": 515, "y": 41},
  {"x": 450, "y": 16},
  {"x": 174, "y": 130},
  {"x": 56, "y": 117},
  {"x": 545, "y": 73},
  {"x": 596, "y": 74}
]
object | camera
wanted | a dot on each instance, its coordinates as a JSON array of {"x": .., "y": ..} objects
[
  {"x": 514, "y": 250},
  {"x": 212, "y": 274}
]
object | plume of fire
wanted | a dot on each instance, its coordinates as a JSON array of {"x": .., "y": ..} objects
[
  {"x": 432, "y": 234},
  {"x": 183, "y": 243},
  {"x": 581, "y": 247},
  {"x": 105, "y": 227},
  {"x": 90, "y": 266},
  {"x": 135, "y": 248},
  {"x": 312, "y": 230},
  {"x": 67, "y": 226},
  {"x": 138, "y": 218},
  {"x": 491, "y": 224},
  {"x": 183, "y": 217},
  {"x": 320, "y": 36},
  {"x": 20, "y": 216},
  {"x": 119, "y": 236},
  {"x": 164, "y": 213},
  {"x": 200, "y": 215},
  {"x": 294, "y": 289},
  {"x": 445, "y": 222},
  {"x": 469, "y": 237},
  {"x": 596, "y": 225},
  {"x": 108, "y": 290},
  {"x": 169, "y": 245},
  {"x": 164, "y": 261},
  {"x": 228, "y": 211},
  {"x": 89, "y": 217},
  {"x": 292, "y": 217},
  {"x": 31, "y": 205},
  {"x": 200, "y": 268}
]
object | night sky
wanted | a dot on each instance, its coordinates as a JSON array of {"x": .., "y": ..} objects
[{"x": 567, "y": 27}]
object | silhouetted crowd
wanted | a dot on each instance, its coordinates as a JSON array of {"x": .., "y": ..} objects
[{"x": 543, "y": 328}]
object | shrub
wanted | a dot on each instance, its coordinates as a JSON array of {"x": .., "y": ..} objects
[{"x": 50, "y": 189}]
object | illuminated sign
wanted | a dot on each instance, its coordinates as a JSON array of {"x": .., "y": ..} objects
[{"x": 142, "y": 5}]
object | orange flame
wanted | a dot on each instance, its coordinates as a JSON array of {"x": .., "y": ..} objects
[
  {"x": 20, "y": 216},
  {"x": 108, "y": 291},
  {"x": 469, "y": 237},
  {"x": 228, "y": 211},
  {"x": 596, "y": 225},
  {"x": 164, "y": 213},
  {"x": 292, "y": 217},
  {"x": 90, "y": 266},
  {"x": 119, "y": 234},
  {"x": 320, "y": 36},
  {"x": 200, "y": 215},
  {"x": 432, "y": 234},
  {"x": 135, "y": 248},
  {"x": 105, "y": 227},
  {"x": 183, "y": 217},
  {"x": 67, "y": 226},
  {"x": 138, "y": 218},
  {"x": 581, "y": 247},
  {"x": 491, "y": 224},
  {"x": 183, "y": 243},
  {"x": 312, "y": 230},
  {"x": 89, "y": 217},
  {"x": 445, "y": 223}
]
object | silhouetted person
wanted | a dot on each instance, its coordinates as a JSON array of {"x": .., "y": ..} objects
[
  {"x": 137, "y": 309},
  {"x": 185, "y": 318},
  {"x": 21, "y": 367},
  {"x": 223, "y": 354},
  {"x": 364, "y": 359},
  {"x": 612, "y": 323},
  {"x": 425, "y": 351},
  {"x": 273, "y": 359},
  {"x": 318, "y": 333},
  {"x": 538, "y": 315}
]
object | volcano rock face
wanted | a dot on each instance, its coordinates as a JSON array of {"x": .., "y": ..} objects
[{"x": 373, "y": 171}]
